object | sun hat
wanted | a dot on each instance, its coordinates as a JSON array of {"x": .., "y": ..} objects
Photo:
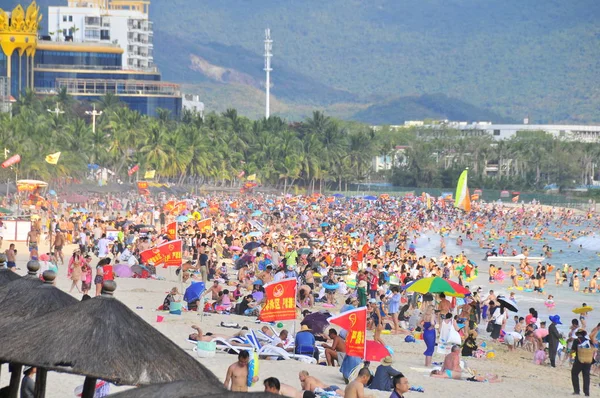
[
  {"x": 372, "y": 301},
  {"x": 555, "y": 319},
  {"x": 304, "y": 328},
  {"x": 581, "y": 332},
  {"x": 387, "y": 361}
]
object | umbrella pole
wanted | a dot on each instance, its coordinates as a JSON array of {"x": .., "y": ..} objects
[
  {"x": 89, "y": 387},
  {"x": 40, "y": 382},
  {"x": 15, "y": 380}
]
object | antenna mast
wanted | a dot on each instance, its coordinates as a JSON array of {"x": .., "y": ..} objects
[{"x": 268, "y": 55}]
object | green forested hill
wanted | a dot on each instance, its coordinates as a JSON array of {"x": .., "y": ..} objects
[{"x": 512, "y": 57}]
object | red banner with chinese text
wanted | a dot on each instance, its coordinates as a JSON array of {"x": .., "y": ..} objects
[
  {"x": 168, "y": 254},
  {"x": 132, "y": 170},
  {"x": 172, "y": 230},
  {"x": 205, "y": 225},
  {"x": 169, "y": 206},
  {"x": 179, "y": 208},
  {"x": 280, "y": 301},
  {"x": 355, "y": 322},
  {"x": 143, "y": 188}
]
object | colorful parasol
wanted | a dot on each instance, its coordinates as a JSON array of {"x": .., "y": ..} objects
[{"x": 437, "y": 285}]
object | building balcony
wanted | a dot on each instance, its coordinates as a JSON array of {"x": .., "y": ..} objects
[{"x": 96, "y": 87}]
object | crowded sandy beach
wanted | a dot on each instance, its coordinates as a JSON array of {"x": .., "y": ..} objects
[{"x": 498, "y": 301}]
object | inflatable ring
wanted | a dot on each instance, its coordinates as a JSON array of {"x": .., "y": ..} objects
[
  {"x": 351, "y": 284},
  {"x": 331, "y": 287},
  {"x": 253, "y": 367}
]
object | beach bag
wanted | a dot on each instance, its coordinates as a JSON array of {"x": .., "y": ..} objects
[
  {"x": 205, "y": 349},
  {"x": 490, "y": 327},
  {"x": 585, "y": 355}
]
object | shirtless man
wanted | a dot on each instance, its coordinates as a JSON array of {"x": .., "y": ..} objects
[
  {"x": 11, "y": 254},
  {"x": 273, "y": 386},
  {"x": 237, "y": 373},
  {"x": 214, "y": 290},
  {"x": 452, "y": 360},
  {"x": 33, "y": 240},
  {"x": 338, "y": 345},
  {"x": 443, "y": 308},
  {"x": 59, "y": 242},
  {"x": 356, "y": 389},
  {"x": 310, "y": 383}
]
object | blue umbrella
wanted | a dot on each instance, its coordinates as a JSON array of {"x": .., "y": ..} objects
[
  {"x": 370, "y": 197},
  {"x": 255, "y": 233},
  {"x": 181, "y": 218},
  {"x": 82, "y": 210},
  {"x": 193, "y": 292},
  {"x": 338, "y": 195},
  {"x": 52, "y": 192},
  {"x": 258, "y": 282},
  {"x": 348, "y": 227},
  {"x": 354, "y": 234},
  {"x": 257, "y": 213},
  {"x": 324, "y": 224},
  {"x": 251, "y": 245}
]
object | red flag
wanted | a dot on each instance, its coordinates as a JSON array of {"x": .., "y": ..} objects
[
  {"x": 11, "y": 160},
  {"x": 133, "y": 169},
  {"x": 205, "y": 225},
  {"x": 355, "y": 322},
  {"x": 280, "y": 301},
  {"x": 143, "y": 188},
  {"x": 168, "y": 254},
  {"x": 179, "y": 208},
  {"x": 172, "y": 230},
  {"x": 169, "y": 206},
  {"x": 515, "y": 199}
]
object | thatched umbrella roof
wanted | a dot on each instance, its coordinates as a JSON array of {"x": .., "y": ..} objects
[
  {"x": 186, "y": 389},
  {"x": 36, "y": 301},
  {"x": 103, "y": 339},
  {"x": 7, "y": 276},
  {"x": 25, "y": 283}
]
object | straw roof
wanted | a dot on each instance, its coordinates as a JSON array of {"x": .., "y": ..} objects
[
  {"x": 101, "y": 338},
  {"x": 186, "y": 389},
  {"x": 25, "y": 283},
  {"x": 33, "y": 302},
  {"x": 7, "y": 276}
]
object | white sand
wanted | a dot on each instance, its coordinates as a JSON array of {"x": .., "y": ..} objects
[{"x": 521, "y": 377}]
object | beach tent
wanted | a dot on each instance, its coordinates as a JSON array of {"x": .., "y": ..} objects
[
  {"x": 29, "y": 304},
  {"x": 186, "y": 389},
  {"x": 103, "y": 339}
]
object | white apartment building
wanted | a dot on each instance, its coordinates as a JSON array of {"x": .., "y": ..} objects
[{"x": 121, "y": 22}]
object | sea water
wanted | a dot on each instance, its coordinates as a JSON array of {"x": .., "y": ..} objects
[{"x": 565, "y": 298}]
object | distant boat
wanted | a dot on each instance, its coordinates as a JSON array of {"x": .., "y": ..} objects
[
  {"x": 515, "y": 259},
  {"x": 463, "y": 199}
]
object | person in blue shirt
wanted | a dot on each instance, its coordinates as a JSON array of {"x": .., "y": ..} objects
[
  {"x": 383, "y": 375},
  {"x": 305, "y": 343},
  {"x": 394, "y": 307},
  {"x": 401, "y": 386}
]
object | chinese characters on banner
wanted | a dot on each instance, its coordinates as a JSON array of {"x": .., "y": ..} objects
[
  {"x": 168, "y": 254},
  {"x": 132, "y": 170},
  {"x": 280, "y": 301},
  {"x": 172, "y": 230},
  {"x": 355, "y": 322}
]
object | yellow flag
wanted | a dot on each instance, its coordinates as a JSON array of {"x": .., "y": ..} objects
[
  {"x": 53, "y": 158},
  {"x": 251, "y": 177},
  {"x": 150, "y": 174}
]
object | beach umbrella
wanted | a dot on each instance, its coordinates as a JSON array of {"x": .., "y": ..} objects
[
  {"x": 257, "y": 213},
  {"x": 375, "y": 351},
  {"x": 123, "y": 270},
  {"x": 370, "y": 197},
  {"x": 316, "y": 321},
  {"x": 7, "y": 276},
  {"x": 338, "y": 195},
  {"x": 255, "y": 234},
  {"x": 324, "y": 224},
  {"x": 193, "y": 292},
  {"x": 305, "y": 251},
  {"x": 186, "y": 389},
  {"x": 507, "y": 303},
  {"x": 251, "y": 245},
  {"x": 182, "y": 218},
  {"x": 435, "y": 284},
  {"x": 103, "y": 339},
  {"x": 29, "y": 304},
  {"x": 25, "y": 283},
  {"x": 304, "y": 235}
]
